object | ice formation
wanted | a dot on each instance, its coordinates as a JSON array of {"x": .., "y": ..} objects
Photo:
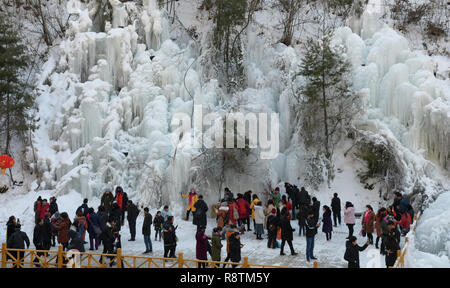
[{"x": 107, "y": 101}]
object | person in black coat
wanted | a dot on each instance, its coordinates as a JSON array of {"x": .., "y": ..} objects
[
  {"x": 301, "y": 216},
  {"x": 53, "y": 206},
  {"x": 336, "y": 209},
  {"x": 108, "y": 238},
  {"x": 291, "y": 191},
  {"x": 316, "y": 208},
  {"x": 10, "y": 227},
  {"x": 17, "y": 241},
  {"x": 273, "y": 223},
  {"x": 132, "y": 215},
  {"x": 286, "y": 233},
  {"x": 158, "y": 222},
  {"x": 235, "y": 248},
  {"x": 392, "y": 244},
  {"x": 116, "y": 214},
  {"x": 200, "y": 212},
  {"x": 83, "y": 208},
  {"x": 42, "y": 235},
  {"x": 352, "y": 252},
  {"x": 76, "y": 242},
  {"x": 170, "y": 238},
  {"x": 146, "y": 230},
  {"x": 311, "y": 231},
  {"x": 102, "y": 217}
]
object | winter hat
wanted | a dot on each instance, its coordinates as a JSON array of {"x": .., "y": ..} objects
[{"x": 277, "y": 189}]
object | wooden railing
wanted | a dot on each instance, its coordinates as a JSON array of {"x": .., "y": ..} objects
[
  {"x": 400, "y": 263},
  {"x": 26, "y": 258}
]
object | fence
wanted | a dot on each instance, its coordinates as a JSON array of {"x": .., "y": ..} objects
[
  {"x": 26, "y": 258},
  {"x": 400, "y": 263}
]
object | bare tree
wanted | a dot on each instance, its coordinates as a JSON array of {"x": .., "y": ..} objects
[{"x": 290, "y": 10}]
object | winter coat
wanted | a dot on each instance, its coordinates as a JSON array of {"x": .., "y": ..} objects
[
  {"x": 349, "y": 215},
  {"x": 53, "y": 208},
  {"x": 405, "y": 221},
  {"x": 243, "y": 208},
  {"x": 214, "y": 210},
  {"x": 228, "y": 196},
  {"x": 392, "y": 241},
  {"x": 18, "y": 240},
  {"x": 93, "y": 221},
  {"x": 216, "y": 247},
  {"x": 107, "y": 201},
  {"x": 273, "y": 223},
  {"x": 302, "y": 215},
  {"x": 44, "y": 209},
  {"x": 169, "y": 234},
  {"x": 303, "y": 197},
  {"x": 286, "y": 229},
  {"x": 311, "y": 229},
  {"x": 122, "y": 200},
  {"x": 276, "y": 198},
  {"x": 63, "y": 227},
  {"x": 336, "y": 204},
  {"x": 378, "y": 220},
  {"x": 403, "y": 205},
  {"x": 267, "y": 212},
  {"x": 107, "y": 236},
  {"x": 10, "y": 229},
  {"x": 147, "y": 225},
  {"x": 316, "y": 210},
  {"x": 102, "y": 219},
  {"x": 132, "y": 212},
  {"x": 193, "y": 197},
  {"x": 82, "y": 223},
  {"x": 158, "y": 222},
  {"x": 76, "y": 242},
  {"x": 252, "y": 206},
  {"x": 222, "y": 216},
  {"x": 228, "y": 233},
  {"x": 231, "y": 209},
  {"x": 165, "y": 214},
  {"x": 200, "y": 213},
  {"x": 259, "y": 214},
  {"x": 352, "y": 254},
  {"x": 42, "y": 236},
  {"x": 116, "y": 214},
  {"x": 201, "y": 249},
  {"x": 84, "y": 209},
  {"x": 235, "y": 250},
  {"x": 327, "y": 226},
  {"x": 368, "y": 226}
]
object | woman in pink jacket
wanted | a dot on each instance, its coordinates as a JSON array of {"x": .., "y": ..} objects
[{"x": 349, "y": 217}]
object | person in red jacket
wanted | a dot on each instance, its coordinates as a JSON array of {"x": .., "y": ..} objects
[
  {"x": 285, "y": 204},
  {"x": 405, "y": 223},
  {"x": 244, "y": 211},
  {"x": 45, "y": 208},
  {"x": 233, "y": 211}
]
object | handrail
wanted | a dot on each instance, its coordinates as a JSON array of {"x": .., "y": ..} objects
[{"x": 22, "y": 258}]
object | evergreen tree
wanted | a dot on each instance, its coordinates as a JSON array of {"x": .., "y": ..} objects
[
  {"x": 15, "y": 99},
  {"x": 326, "y": 102}
]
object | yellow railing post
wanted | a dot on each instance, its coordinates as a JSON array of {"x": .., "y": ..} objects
[
  {"x": 4, "y": 251},
  {"x": 180, "y": 260},
  {"x": 60, "y": 256},
  {"x": 406, "y": 240},
  {"x": 245, "y": 264},
  {"x": 399, "y": 258},
  {"x": 119, "y": 258},
  {"x": 316, "y": 265}
]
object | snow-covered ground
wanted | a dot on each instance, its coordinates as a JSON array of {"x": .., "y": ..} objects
[{"x": 329, "y": 253}]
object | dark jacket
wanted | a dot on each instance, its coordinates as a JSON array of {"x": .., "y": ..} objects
[
  {"x": 18, "y": 240},
  {"x": 169, "y": 234},
  {"x": 76, "y": 242},
  {"x": 107, "y": 201},
  {"x": 10, "y": 229},
  {"x": 302, "y": 215},
  {"x": 216, "y": 247},
  {"x": 93, "y": 221},
  {"x": 311, "y": 229},
  {"x": 303, "y": 197},
  {"x": 102, "y": 219},
  {"x": 200, "y": 213},
  {"x": 84, "y": 209},
  {"x": 235, "y": 249},
  {"x": 316, "y": 210},
  {"x": 107, "y": 236},
  {"x": 327, "y": 224},
  {"x": 273, "y": 222},
  {"x": 336, "y": 204},
  {"x": 392, "y": 241},
  {"x": 147, "y": 225},
  {"x": 53, "y": 207},
  {"x": 286, "y": 229},
  {"x": 352, "y": 254},
  {"x": 132, "y": 212},
  {"x": 201, "y": 249},
  {"x": 158, "y": 221},
  {"x": 42, "y": 235}
]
